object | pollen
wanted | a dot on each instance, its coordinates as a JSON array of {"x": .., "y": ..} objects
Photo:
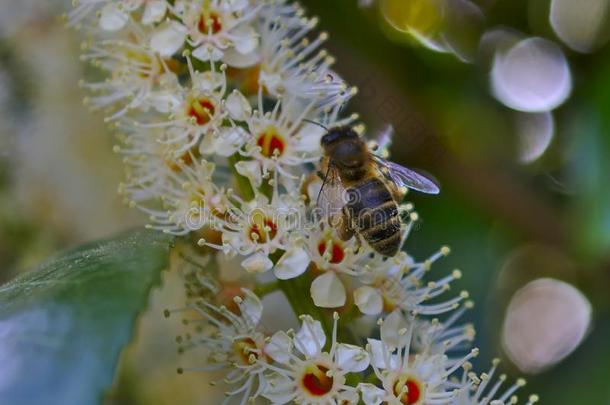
[
  {"x": 271, "y": 142},
  {"x": 408, "y": 390},
  {"x": 334, "y": 250},
  {"x": 186, "y": 159},
  {"x": 262, "y": 228},
  {"x": 201, "y": 110},
  {"x": 209, "y": 23},
  {"x": 316, "y": 381},
  {"x": 246, "y": 350}
]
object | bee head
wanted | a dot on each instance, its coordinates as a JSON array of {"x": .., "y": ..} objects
[
  {"x": 338, "y": 134},
  {"x": 344, "y": 147}
]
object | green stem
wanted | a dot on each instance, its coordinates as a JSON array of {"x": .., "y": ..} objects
[
  {"x": 243, "y": 184},
  {"x": 297, "y": 293},
  {"x": 267, "y": 288}
]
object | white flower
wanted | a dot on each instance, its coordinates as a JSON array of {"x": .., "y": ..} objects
[
  {"x": 406, "y": 376},
  {"x": 335, "y": 258},
  {"x": 231, "y": 342},
  {"x": 190, "y": 198},
  {"x": 436, "y": 337},
  {"x": 293, "y": 66},
  {"x": 484, "y": 391},
  {"x": 280, "y": 140},
  {"x": 136, "y": 74},
  {"x": 258, "y": 227},
  {"x": 114, "y": 15},
  {"x": 308, "y": 374},
  {"x": 217, "y": 30},
  {"x": 330, "y": 255},
  {"x": 397, "y": 283},
  {"x": 196, "y": 111}
]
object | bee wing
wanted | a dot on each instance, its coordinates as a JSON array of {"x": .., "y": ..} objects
[
  {"x": 331, "y": 197},
  {"x": 383, "y": 139},
  {"x": 405, "y": 177}
]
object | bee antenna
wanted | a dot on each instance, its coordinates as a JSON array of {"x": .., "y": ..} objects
[{"x": 315, "y": 123}]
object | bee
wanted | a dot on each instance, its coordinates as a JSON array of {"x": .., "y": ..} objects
[{"x": 363, "y": 190}]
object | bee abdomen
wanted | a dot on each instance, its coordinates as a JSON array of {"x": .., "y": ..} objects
[
  {"x": 385, "y": 237},
  {"x": 374, "y": 214}
]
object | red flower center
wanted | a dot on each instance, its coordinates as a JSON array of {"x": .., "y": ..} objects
[
  {"x": 271, "y": 143},
  {"x": 201, "y": 110},
  {"x": 262, "y": 228},
  {"x": 209, "y": 23},
  {"x": 413, "y": 392},
  {"x": 186, "y": 159},
  {"x": 337, "y": 254},
  {"x": 316, "y": 382},
  {"x": 245, "y": 348}
]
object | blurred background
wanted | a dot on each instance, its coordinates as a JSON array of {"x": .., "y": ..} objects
[{"x": 505, "y": 102}]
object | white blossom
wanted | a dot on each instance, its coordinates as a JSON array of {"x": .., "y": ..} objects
[
  {"x": 485, "y": 391},
  {"x": 406, "y": 375},
  {"x": 308, "y": 374},
  {"x": 230, "y": 341}
]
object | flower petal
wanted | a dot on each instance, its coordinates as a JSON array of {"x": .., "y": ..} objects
[
  {"x": 327, "y": 291},
  {"x": 239, "y": 60},
  {"x": 251, "y": 308},
  {"x": 168, "y": 38},
  {"x": 310, "y": 339},
  {"x": 113, "y": 17},
  {"x": 234, "y": 5},
  {"x": 279, "y": 389},
  {"x": 238, "y": 106},
  {"x": 368, "y": 300},
  {"x": 252, "y": 170},
  {"x": 351, "y": 358},
  {"x": 245, "y": 39},
  {"x": 393, "y": 330},
  {"x": 257, "y": 263},
  {"x": 225, "y": 143},
  {"x": 381, "y": 357},
  {"x": 371, "y": 394},
  {"x": 348, "y": 395},
  {"x": 308, "y": 138},
  {"x": 292, "y": 264},
  {"x": 207, "y": 53},
  {"x": 279, "y": 347},
  {"x": 272, "y": 82},
  {"x": 154, "y": 11}
]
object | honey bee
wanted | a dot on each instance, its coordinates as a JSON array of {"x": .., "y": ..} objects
[{"x": 362, "y": 190}]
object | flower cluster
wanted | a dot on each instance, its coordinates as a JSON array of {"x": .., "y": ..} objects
[
  {"x": 414, "y": 361},
  {"x": 220, "y": 106}
]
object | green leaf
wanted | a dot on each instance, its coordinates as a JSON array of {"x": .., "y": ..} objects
[{"x": 62, "y": 327}]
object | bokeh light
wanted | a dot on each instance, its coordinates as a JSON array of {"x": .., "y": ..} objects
[
  {"x": 448, "y": 26},
  {"x": 545, "y": 321},
  {"x": 535, "y": 132},
  {"x": 494, "y": 41},
  {"x": 462, "y": 28},
  {"x": 532, "y": 76},
  {"x": 581, "y": 25},
  {"x": 422, "y": 17}
]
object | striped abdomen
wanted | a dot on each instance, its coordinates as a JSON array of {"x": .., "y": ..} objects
[{"x": 374, "y": 215}]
